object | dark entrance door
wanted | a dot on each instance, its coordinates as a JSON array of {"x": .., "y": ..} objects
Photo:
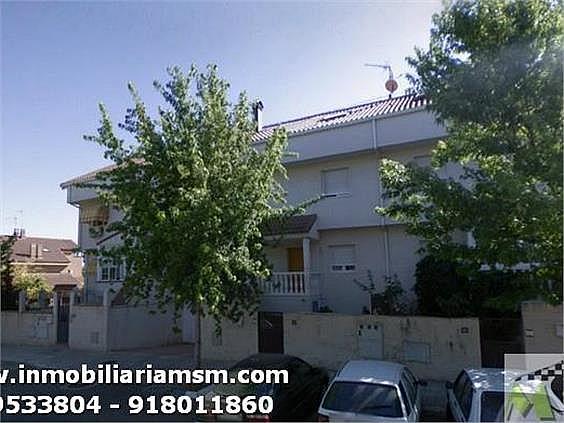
[
  {"x": 63, "y": 321},
  {"x": 271, "y": 332},
  {"x": 499, "y": 336}
]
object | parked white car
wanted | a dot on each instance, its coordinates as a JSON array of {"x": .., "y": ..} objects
[
  {"x": 477, "y": 395},
  {"x": 370, "y": 390}
]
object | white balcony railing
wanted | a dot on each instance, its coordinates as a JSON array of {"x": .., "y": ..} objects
[{"x": 286, "y": 283}]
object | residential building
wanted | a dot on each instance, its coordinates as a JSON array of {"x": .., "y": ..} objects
[
  {"x": 57, "y": 260},
  {"x": 319, "y": 259}
]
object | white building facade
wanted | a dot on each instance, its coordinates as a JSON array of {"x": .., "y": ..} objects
[{"x": 317, "y": 258}]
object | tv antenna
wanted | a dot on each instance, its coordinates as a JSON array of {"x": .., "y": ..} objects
[{"x": 391, "y": 84}]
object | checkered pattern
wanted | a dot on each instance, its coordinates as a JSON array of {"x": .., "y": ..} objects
[{"x": 544, "y": 374}]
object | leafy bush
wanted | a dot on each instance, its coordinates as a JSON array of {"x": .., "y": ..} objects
[
  {"x": 444, "y": 289},
  {"x": 390, "y": 300},
  {"x": 32, "y": 283}
]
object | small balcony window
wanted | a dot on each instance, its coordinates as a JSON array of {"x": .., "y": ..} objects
[
  {"x": 110, "y": 270},
  {"x": 343, "y": 258},
  {"x": 335, "y": 182}
]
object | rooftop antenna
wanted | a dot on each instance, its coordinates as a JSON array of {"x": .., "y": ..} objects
[{"x": 391, "y": 84}]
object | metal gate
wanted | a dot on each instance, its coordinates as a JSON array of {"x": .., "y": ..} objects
[
  {"x": 271, "y": 332},
  {"x": 499, "y": 336},
  {"x": 63, "y": 322}
]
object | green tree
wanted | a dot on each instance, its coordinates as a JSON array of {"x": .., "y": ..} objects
[
  {"x": 7, "y": 272},
  {"x": 493, "y": 74},
  {"x": 194, "y": 192},
  {"x": 32, "y": 283}
]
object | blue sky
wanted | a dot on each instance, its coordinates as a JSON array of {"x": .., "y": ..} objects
[{"x": 60, "y": 59}]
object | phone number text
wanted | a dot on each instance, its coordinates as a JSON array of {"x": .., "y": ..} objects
[{"x": 168, "y": 404}]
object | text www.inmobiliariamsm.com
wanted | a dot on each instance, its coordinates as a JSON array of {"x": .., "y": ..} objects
[{"x": 113, "y": 374}]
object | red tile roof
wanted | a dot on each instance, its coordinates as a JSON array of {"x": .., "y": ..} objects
[
  {"x": 52, "y": 250},
  {"x": 59, "y": 279}
]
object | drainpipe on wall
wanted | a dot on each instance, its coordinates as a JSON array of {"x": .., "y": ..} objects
[{"x": 381, "y": 201}]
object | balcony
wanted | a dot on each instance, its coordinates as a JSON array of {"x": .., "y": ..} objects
[{"x": 287, "y": 284}]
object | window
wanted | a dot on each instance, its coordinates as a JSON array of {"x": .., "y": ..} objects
[
  {"x": 343, "y": 258},
  {"x": 335, "y": 182},
  {"x": 110, "y": 270},
  {"x": 373, "y": 399},
  {"x": 406, "y": 398},
  {"x": 410, "y": 388}
]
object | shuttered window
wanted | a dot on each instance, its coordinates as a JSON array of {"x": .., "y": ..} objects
[
  {"x": 335, "y": 182},
  {"x": 343, "y": 258}
]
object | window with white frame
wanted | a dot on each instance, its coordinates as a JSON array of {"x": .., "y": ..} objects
[
  {"x": 335, "y": 182},
  {"x": 343, "y": 258},
  {"x": 110, "y": 270}
]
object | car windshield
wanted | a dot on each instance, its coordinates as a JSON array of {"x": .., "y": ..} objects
[
  {"x": 491, "y": 406},
  {"x": 242, "y": 389},
  {"x": 364, "y": 398}
]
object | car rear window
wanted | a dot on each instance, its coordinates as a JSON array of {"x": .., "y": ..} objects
[
  {"x": 364, "y": 398},
  {"x": 491, "y": 405}
]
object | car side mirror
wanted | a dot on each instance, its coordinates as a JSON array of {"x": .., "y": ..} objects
[{"x": 449, "y": 385}]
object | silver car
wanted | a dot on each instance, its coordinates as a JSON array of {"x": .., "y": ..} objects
[{"x": 370, "y": 390}]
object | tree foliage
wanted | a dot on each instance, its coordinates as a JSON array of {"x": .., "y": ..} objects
[
  {"x": 493, "y": 74},
  {"x": 7, "y": 291},
  {"x": 194, "y": 192},
  {"x": 442, "y": 290},
  {"x": 32, "y": 283}
]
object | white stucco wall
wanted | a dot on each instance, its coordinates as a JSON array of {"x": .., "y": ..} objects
[
  {"x": 136, "y": 327},
  {"x": 102, "y": 328},
  {"x": 330, "y": 339},
  {"x": 28, "y": 328},
  {"x": 88, "y": 327},
  {"x": 434, "y": 348},
  {"x": 542, "y": 324},
  {"x": 236, "y": 341}
]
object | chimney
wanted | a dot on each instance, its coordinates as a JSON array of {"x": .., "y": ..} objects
[
  {"x": 36, "y": 250},
  {"x": 33, "y": 250},
  {"x": 257, "y": 111}
]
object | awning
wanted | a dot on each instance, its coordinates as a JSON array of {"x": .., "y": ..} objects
[
  {"x": 301, "y": 224},
  {"x": 97, "y": 214}
]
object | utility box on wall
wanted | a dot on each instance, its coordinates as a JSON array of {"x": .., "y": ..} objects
[{"x": 370, "y": 341}]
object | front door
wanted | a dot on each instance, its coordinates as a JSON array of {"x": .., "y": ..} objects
[
  {"x": 295, "y": 259},
  {"x": 63, "y": 319},
  {"x": 271, "y": 332}
]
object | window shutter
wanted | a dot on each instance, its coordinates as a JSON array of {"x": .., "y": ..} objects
[
  {"x": 336, "y": 181},
  {"x": 343, "y": 254}
]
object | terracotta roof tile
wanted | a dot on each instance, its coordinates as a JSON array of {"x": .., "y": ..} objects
[{"x": 52, "y": 250}]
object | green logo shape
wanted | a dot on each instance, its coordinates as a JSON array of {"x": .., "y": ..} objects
[{"x": 522, "y": 402}]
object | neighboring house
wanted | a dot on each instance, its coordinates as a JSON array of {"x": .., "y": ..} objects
[
  {"x": 56, "y": 260},
  {"x": 316, "y": 258}
]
